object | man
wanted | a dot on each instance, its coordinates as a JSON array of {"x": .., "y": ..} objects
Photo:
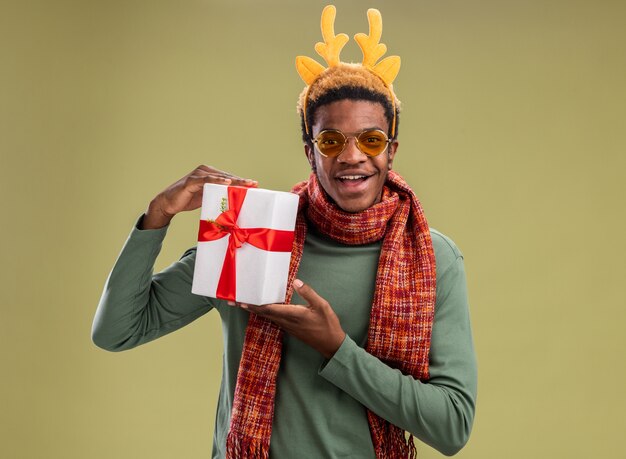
[{"x": 374, "y": 339}]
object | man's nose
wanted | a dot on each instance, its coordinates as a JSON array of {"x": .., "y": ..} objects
[{"x": 351, "y": 153}]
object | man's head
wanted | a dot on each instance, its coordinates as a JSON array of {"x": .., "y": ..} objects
[
  {"x": 353, "y": 179},
  {"x": 350, "y": 99},
  {"x": 354, "y": 108}
]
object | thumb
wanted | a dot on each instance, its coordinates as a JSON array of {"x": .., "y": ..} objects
[{"x": 307, "y": 293}]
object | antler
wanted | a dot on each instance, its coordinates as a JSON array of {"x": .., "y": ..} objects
[
  {"x": 370, "y": 44},
  {"x": 333, "y": 44},
  {"x": 330, "y": 49},
  {"x": 388, "y": 68}
]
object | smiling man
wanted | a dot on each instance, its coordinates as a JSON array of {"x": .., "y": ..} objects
[
  {"x": 353, "y": 179},
  {"x": 374, "y": 339}
]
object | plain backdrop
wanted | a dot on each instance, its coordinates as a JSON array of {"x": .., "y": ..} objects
[{"x": 512, "y": 134}]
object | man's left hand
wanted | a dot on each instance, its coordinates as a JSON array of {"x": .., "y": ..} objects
[{"x": 315, "y": 324}]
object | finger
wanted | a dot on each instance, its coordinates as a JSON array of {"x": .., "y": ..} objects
[
  {"x": 214, "y": 178},
  {"x": 203, "y": 170},
  {"x": 249, "y": 183},
  {"x": 279, "y": 313},
  {"x": 235, "y": 179},
  {"x": 307, "y": 293},
  {"x": 194, "y": 183},
  {"x": 213, "y": 170}
]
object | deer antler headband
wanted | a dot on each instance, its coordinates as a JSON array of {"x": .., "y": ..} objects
[{"x": 387, "y": 69}]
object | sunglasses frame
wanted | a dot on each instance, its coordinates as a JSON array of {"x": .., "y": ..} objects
[{"x": 356, "y": 140}]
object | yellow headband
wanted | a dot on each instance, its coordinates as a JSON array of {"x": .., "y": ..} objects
[{"x": 387, "y": 69}]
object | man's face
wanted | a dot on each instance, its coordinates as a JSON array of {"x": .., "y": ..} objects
[{"x": 353, "y": 180}]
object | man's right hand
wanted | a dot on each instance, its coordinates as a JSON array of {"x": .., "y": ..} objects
[{"x": 186, "y": 194}]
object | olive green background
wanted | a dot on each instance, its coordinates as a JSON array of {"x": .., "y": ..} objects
[{"x": 513, "y": 136}]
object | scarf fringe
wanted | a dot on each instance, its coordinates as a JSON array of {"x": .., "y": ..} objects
[
  {"x": 412, "y": 449},
  {"x": 390, "y": 441},
  {"x": 239, "y": 447}
]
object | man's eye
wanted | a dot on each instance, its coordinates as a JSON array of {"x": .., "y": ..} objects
[
  {"x": 329, "y": 142},
  {"x": 373, "y": 140}
]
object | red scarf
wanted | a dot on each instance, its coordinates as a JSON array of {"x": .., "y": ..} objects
[{"x": 401, "y": 318}]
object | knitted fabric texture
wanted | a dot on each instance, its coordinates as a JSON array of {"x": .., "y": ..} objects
[
  {"x": 401, "y": 317},
  {"x": 344, "y": 74}
]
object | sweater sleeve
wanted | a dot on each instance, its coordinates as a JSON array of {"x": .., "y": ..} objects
[
  {"x": 136, "y": 306},
  {"x": 439, "y": 412}
]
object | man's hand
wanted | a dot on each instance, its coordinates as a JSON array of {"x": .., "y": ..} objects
[
  {"x": 316, "y": 324},
  {"x": 186, "y": 194}
]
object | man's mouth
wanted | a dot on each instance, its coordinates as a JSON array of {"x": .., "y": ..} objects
[{"x": 352, "y": 178}]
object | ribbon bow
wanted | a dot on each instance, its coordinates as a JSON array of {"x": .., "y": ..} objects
[{"x": 226, "y": 225}]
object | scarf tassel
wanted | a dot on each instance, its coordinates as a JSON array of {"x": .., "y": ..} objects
[
  {"x": 243, "y": 447},
  {"x": 391, "y": 442}
]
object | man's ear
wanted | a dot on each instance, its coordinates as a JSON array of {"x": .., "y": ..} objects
[
  {"x": 393, "y": 148},
  {"x": 310, "y": 155}
]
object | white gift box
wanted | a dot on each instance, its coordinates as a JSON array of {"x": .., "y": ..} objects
[{"x": 259, "y": 275}]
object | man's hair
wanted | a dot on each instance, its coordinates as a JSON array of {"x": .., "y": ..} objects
[
  {"x": 348, "y": 93},
  {"x": 346, "y": 82}
]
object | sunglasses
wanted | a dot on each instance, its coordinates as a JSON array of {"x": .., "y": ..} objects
[{"x": 331, "y": 143}]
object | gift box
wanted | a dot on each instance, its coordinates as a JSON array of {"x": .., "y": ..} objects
[{"x": 244, "y": 244}]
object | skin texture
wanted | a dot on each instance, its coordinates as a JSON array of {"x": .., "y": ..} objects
[{"x": 351, "y": 117}]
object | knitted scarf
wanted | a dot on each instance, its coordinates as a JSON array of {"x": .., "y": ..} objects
[{"x": 400, "y": 321}]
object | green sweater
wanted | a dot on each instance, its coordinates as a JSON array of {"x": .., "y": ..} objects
[{"x": 320, "y": 404}]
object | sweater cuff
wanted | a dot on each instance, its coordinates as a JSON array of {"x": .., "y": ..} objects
[
  {"x": 156, "y": 235},
  {"x": 143, "y": 243},
  {"x": 338, "y": 364}
]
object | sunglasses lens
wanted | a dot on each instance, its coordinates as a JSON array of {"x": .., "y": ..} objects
[
  {"x": 373, "y": 142},
  {"x": 330, "y": 143}
]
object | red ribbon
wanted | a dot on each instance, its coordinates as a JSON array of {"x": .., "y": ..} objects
[{"x": 226, "y": 224}]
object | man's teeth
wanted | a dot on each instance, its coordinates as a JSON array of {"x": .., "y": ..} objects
[{"x": 352, "y": 177}]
